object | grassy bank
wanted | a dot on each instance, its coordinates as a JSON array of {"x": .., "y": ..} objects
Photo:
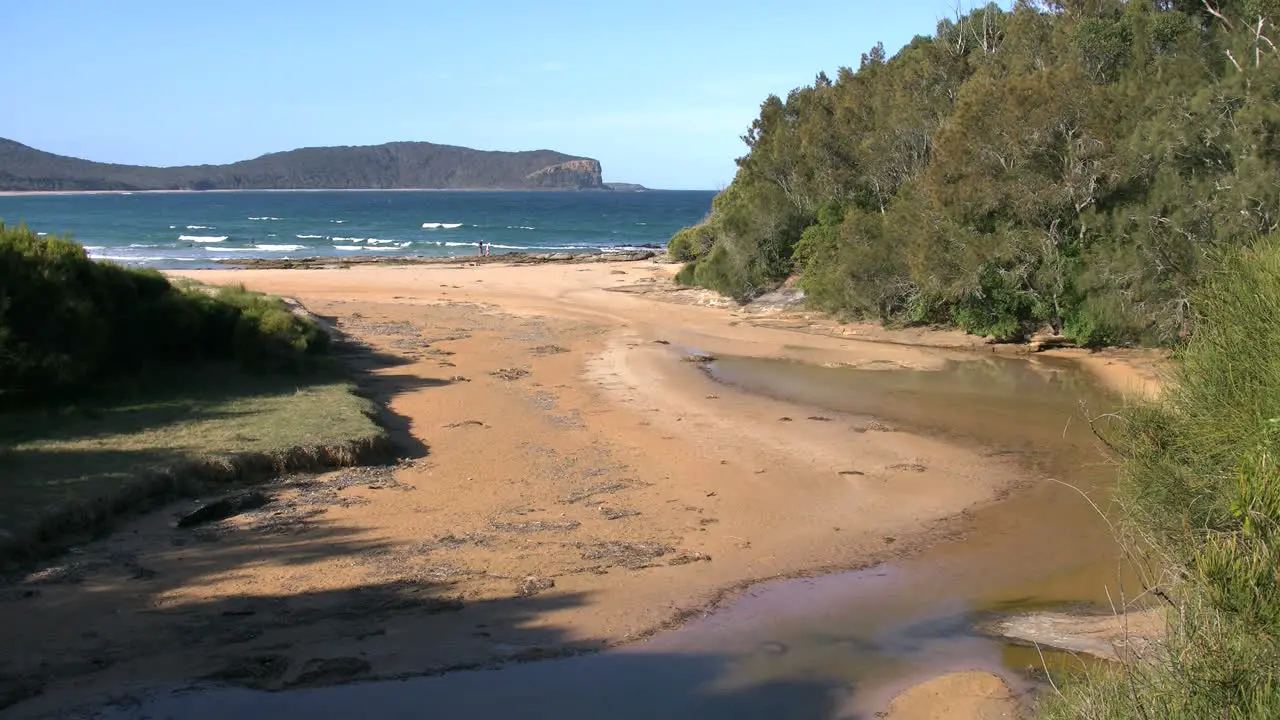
[
  {"x": 119, "y": 390},
  {"x": 1200, "y": 477}
]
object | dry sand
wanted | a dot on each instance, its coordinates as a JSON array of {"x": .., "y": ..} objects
[{"x": 570, "y": 483}]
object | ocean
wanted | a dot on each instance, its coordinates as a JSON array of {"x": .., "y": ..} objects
[{"x": 197, "y": 229}]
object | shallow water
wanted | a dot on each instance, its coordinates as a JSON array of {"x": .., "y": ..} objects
[{"x": 836, "y": 646}]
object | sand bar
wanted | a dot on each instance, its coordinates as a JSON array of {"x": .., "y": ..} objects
[{"x": 573, "y": 483}]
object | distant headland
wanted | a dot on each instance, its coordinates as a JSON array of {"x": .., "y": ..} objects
[{"x": 391, "y": 166}]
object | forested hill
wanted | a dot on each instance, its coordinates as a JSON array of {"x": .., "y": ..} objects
[
  {"x": 1080, "y": 164},
  {"x": 393, "y": 165}
]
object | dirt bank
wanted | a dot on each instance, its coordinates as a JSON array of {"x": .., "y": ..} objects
[{"x": 568, "y": 482}]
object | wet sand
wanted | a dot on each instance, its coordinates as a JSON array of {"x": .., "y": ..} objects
[{"x": 570, "y": 483}]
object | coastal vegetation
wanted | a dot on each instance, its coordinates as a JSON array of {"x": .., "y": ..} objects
[
  {"x": 1077, "y": 164},
  {"x": 1200, "y": 482},
  {"x": 119, "y": 389},
  {"x": 68, "y": 323},
  {"x": 388, "y": 166}
]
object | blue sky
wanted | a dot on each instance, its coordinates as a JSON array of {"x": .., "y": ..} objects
[{"x": 659, "y": 91}]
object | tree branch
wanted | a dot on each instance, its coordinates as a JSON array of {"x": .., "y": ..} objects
[{"x": 1214, "y": 11}]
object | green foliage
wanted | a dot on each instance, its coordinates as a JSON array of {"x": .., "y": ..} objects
[
  {"x": 691, "y": 243},
  {"x": 67, "y": 322},
  {"x": 1201, "y": 486},
  {"x": 1078, "y": 165}
]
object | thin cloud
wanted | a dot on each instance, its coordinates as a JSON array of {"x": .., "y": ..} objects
[{"x": 552, "y": 66}]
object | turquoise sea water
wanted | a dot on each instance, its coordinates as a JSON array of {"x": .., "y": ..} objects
[{"x": 197, "y": 229}]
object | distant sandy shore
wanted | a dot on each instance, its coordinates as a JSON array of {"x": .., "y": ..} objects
[{"x": 584, "y": 486}]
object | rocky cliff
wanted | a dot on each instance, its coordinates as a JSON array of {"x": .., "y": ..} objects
[{"x": 582, "y": 173}]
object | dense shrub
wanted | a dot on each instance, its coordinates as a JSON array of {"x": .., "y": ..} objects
[
  {"x": 67, "y": 322},
  {"x": 1200, "y": 482},
  {"x": 691, "y": 243},
  {"x": 1073, "y": 165}
]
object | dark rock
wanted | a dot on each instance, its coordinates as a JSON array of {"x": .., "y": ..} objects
[
  {"x": 253, "y": 671},
  {"x": 224, "y": 508},
  {"x": 14, "y": 689},
  {"x": 327, "y": 671}
]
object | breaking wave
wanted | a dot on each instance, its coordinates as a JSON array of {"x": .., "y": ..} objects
[
  {"x": 309, "y": 237},
  {"x": 264, "y": 217},
  {"x": 440, "y": 226},
  {"x": 279, "y": 248},
  {"x": 203, "y": 238},
  {"x": 143, "y": 258}
]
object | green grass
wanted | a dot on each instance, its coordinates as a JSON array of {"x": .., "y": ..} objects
[
  {"x": 1200, "y": 482},
  {"x": 100, "y": 450}
]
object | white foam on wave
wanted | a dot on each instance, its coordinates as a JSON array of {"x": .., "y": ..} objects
[
  {"x": 337, "y": 221},
  {"x": 544, "y": 247},
  {"x": 521, "y": 227},
  {"x": 198, "y": 227},
  {"x": 264, "y": 217},
  {"x": 94, "y": 248},
  {"x": 309, "y": 237},
  {"x": 144, "y": 258},
  {"x": 203, "y": 238},
  {"x": 217, "y": 249},
  {"x": 278, "y": 248},
  {"x": 40, "y": 234},
  {"x": 440, "y": 226},
  {"x": 622, "y": 248},
  {"x": 541, "y": 248},
  {"x": 141, "y": 245},
  {"x": 369, "y": 248},
  {"x": 348, "y": 239}
]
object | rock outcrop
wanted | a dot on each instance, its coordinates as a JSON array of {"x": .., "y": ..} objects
[{"x": 581, "y": 174}]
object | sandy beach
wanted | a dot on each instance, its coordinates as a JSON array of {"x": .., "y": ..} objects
[{"x": 572, "y": 481}]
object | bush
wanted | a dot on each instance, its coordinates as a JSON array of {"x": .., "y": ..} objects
[
  {"x": 691, "y": 243},
  {"x": 1200, "y": 481},
  {"x": 67, "y": 322}
]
